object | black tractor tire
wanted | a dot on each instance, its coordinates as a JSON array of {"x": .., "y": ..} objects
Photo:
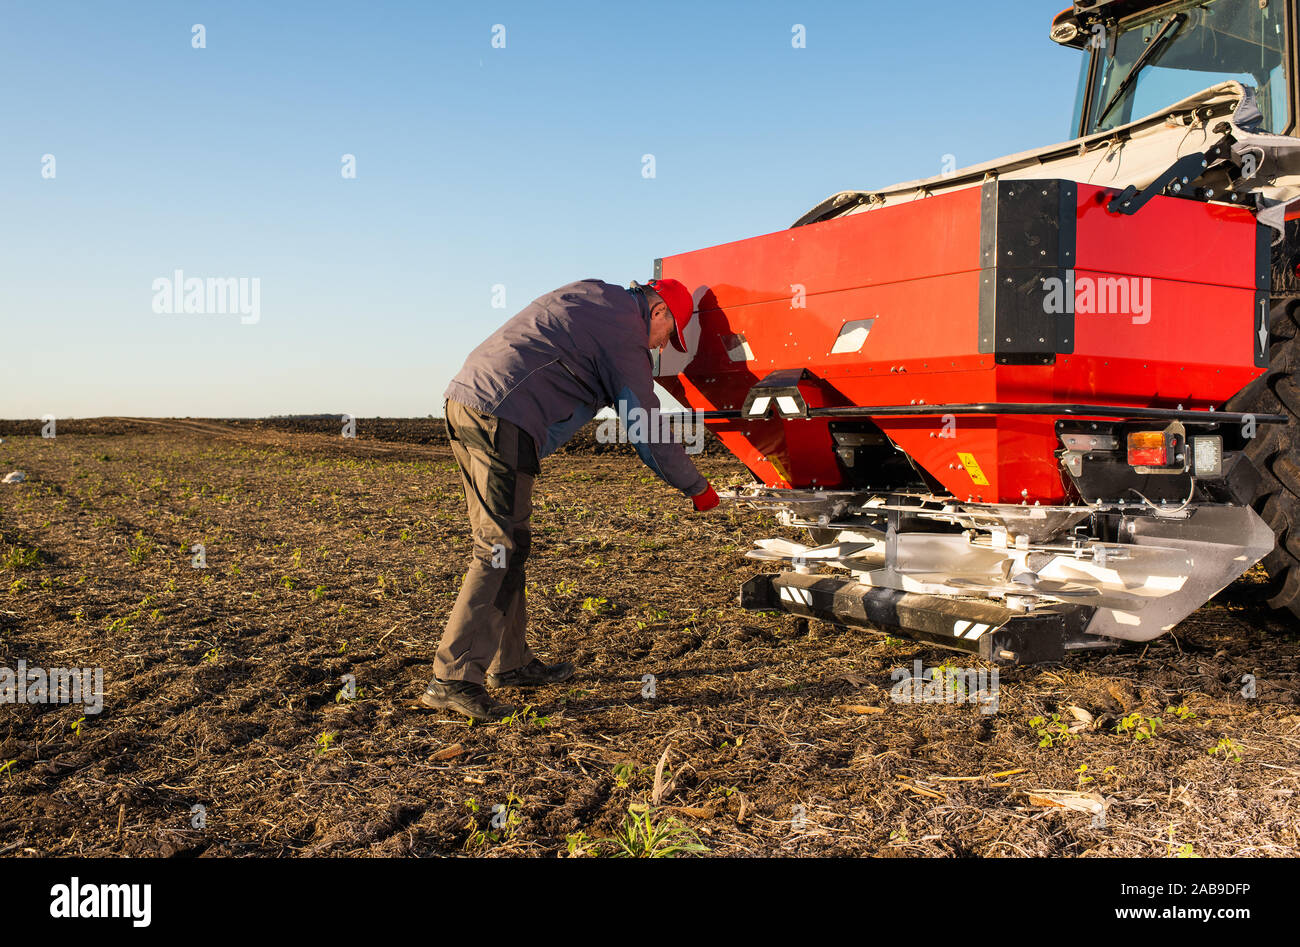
[{"x": 1275, "y": 452}]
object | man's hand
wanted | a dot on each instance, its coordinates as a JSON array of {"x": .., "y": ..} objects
[{"x": 705, "y": 500}]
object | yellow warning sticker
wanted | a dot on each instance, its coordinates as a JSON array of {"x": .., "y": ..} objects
[
  {"x": 779, "y": 468},
  {"x": 973, "y": 468}
]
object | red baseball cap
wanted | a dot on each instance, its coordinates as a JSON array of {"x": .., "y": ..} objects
[{"x": 680, "y": 304}]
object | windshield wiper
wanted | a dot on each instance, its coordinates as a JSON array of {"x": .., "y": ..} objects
[{"x": 1166, "y": 32}]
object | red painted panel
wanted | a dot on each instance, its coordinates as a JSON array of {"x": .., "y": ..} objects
[
  {"x": 888, "y": 245},
  {"x": 1170, "y": 238},
  {"x": 1197, "y": 343}
]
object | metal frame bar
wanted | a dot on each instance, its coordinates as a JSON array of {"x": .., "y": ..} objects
[{"x": 1015, "y": 408}]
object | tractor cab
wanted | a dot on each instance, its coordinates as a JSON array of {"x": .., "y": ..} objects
[{"x": 1143, "y": 56}]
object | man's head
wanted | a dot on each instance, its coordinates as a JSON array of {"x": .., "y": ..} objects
[
  {"x": 670, "y": 306},
  {"x": 661, "y": 320}
]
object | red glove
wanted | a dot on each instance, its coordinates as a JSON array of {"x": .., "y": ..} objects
[{"x": 705, "y": 500}]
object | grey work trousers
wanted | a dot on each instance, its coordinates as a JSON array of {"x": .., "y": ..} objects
[{"x": 486, "y": 629}]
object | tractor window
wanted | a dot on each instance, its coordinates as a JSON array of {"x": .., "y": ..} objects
[{"x": 1189, "y": 47}]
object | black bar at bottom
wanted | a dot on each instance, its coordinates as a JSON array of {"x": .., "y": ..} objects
[{"x": 983, "y": 628}]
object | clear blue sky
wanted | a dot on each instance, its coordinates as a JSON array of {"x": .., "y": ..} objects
[{"x": 475, "y": 166}]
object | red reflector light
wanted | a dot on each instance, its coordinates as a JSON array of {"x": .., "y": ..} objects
[{"x": 1148, "y": 449}]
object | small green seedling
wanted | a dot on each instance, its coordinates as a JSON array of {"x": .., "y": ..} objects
[
  {"x": 1139, "y": 727},
  {"x": 1053, "y": 731}
]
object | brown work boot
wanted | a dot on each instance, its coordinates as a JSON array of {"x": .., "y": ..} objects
[
  {"x": 467, "y": 698},
  {"x": 532, "y": 674}
]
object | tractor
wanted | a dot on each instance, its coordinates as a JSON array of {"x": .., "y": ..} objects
[{"x": 1044, "y": 404}]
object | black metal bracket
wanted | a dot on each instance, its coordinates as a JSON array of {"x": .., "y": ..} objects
[
  {"x": 1179, "y": 178},
  {"x": 779, "y": 392},
  {"x": 1027, "y": 237}
]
